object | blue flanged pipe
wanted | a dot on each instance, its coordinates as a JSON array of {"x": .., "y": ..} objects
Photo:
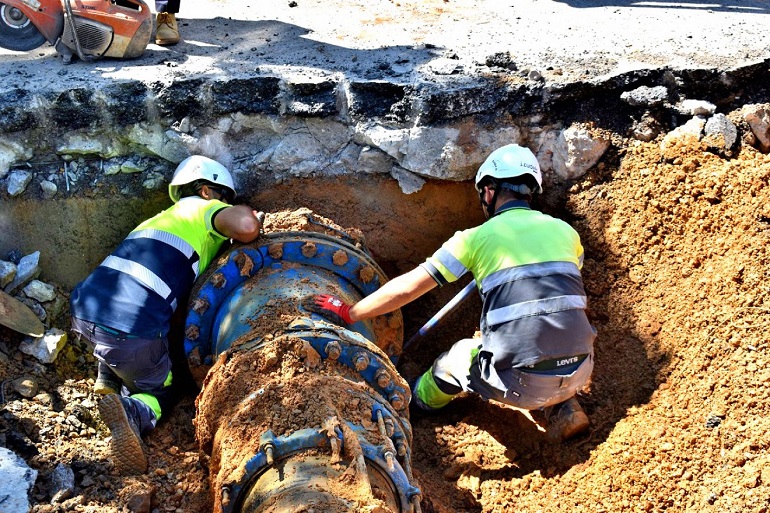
[{"x": 296, "y": 412}]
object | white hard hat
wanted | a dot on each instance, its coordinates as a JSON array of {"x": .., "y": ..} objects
[
  {"x": 511, "y": 161},
  {"x": 199, "y": 167}
]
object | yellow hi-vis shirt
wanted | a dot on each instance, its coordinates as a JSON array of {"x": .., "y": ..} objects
[{"x": 527, "y": 267}]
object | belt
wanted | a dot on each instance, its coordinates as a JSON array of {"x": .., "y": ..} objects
[{"x": 556, "y": 363}]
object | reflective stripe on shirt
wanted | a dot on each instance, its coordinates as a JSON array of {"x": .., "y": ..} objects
[
  {"x": 537, "y": 307},
  {"x": 449, "y": 261},
  {"x": 142, "y": 274},
  {"x": 172, "y": 240},
  {"x": 528, "y": 271}
]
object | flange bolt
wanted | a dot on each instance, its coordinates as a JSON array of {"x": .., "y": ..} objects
[
  {"x": 360, "y": 361},
  {"x": 333, "y": 350}
]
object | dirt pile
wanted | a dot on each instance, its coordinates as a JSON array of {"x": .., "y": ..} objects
[
  {"x": 676, "y": 270},
  {"x": 283, "y": 387}
]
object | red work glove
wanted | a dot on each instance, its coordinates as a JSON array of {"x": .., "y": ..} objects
[{"x": 330, "y": 307}]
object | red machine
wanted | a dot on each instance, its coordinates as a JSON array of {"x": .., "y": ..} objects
[{"x": 89, "y": 29}]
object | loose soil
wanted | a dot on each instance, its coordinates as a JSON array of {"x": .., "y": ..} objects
[{"x": 676, "y": 272}]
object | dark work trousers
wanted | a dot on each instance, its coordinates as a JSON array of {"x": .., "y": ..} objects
[
  {"x": 171, "y": 6},
  {"x": 142, "y": 364}
]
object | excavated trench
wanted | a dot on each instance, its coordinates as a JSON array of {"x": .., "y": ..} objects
[{"x": 675, "y": 233}]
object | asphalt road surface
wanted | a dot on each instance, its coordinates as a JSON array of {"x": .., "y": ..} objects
[{"x": 564, "y": 39}]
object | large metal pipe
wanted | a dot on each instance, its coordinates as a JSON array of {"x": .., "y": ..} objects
[{"x": 297, "y": 413}]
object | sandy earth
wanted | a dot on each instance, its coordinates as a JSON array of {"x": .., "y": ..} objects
[{"x": 676, "y": 270}]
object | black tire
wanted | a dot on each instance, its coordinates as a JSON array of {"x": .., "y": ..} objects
[{"x": 17, "y": 32}]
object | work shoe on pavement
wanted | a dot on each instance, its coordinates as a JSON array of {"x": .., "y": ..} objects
[
  {"x": 167, "y": 30},
  {"x": 566, "y": 420},
  {"x": 107, "y": 382},
  {"x": 126, "y": 444}
]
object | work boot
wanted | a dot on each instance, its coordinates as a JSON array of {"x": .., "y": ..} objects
[
  {"x": 126, "y": 444},
  {"x": 566, "y": 420},
  {"x": 107, "y": 382},
  {"x": 167, "y": 30}
]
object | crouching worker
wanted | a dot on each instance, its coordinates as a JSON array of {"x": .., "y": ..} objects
[
  {"x": 536, "y": 345},
  {"x": 124, "y": 307}
]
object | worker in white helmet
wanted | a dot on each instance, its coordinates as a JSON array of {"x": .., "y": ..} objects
[
  {"x": 125, "y": 306},
  {"x": 536, "y": 345}
]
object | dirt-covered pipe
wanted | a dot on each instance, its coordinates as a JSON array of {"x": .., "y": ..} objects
[{"x": 296, "y": 412}]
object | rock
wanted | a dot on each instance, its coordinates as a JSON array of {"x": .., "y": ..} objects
[
  {"x": 36, "y": 307},
  {"x": 45, "y": 348},
  {"x": 45, "y": 399},
  {"x": 758, "y": 118},
  {"x": 7, "y": 272},
  {"x": 576, "y": 150},
  {"x": 720, "y": 133},
  {"x": 140, "y": 500},
  {"x": 78, "y": 144},
  {"x": 696, "y": 108},
  {"x": 154, "y": 181},
  {"x": 40, "y": 291},
  {"x": 409, "y": 182},
  {"x": 647, "y": 129},
  {"x": 373, "y": 160},
  {"x": 501, "y": 60},
  {"x": 18, "y": 181},
  {"x": 26, "y": 386},
  {"x": 131, "y": 167},
  {"x": 49, "y": 189},
  {"x": 646, "y": 96},
  {"x": 26, "y": 271},
  {"x": 62, "y": 483},
  {"x": 10, "y": 152},
  {"x": 16, "y": 480}
]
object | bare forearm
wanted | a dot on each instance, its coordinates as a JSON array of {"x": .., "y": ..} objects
[{"x": 394, "y": 294}]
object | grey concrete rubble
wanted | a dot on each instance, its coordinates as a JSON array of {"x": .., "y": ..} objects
[
  {"x": 696, "y": 108},
  {"x": 721, "y": 134},
  {"x": 16, "y": 480},
  {"x": 62, "y": 483},
  {"x": 49, "y": 189},
  {"x": 45, "y": 348},
  {"x": 7, "y": 272},
  {"x": 27, "y": 270},
  {"x": 577, "y": 149},
  {"x": 17, "y": 182},
  {"x": 434, "y": 130},
  {"x": 409, "y": 182},
  {"x": 46, "y": 300},
  {"x": 40, "y": 291},
  {"x": 647, "y": 96}
]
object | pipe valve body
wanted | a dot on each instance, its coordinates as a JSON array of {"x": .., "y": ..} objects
[{"x": 296, "y": 412}]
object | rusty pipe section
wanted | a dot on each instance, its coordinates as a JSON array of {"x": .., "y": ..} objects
[{"x": 297, "y": 413}]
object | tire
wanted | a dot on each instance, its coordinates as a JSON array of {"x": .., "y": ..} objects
[{"x": 17, "y": 32}]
